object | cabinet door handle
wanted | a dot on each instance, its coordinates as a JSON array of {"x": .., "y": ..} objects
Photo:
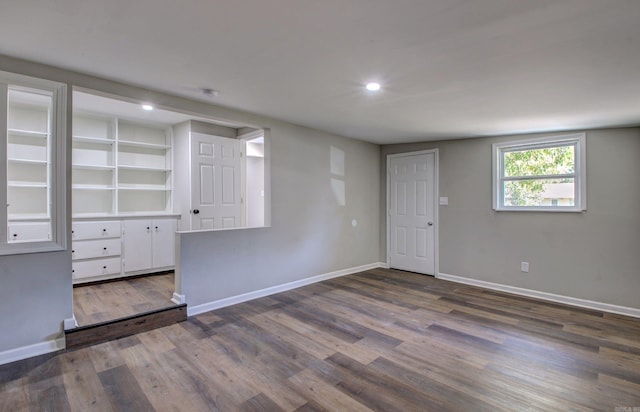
[
  {"x": 104, "y": 248},
  {"x": 15, "y": 235},
  {"x": 104, "y": 267},
  {"x": 156, "y": 227},
  {"x": 148, "y": 228},
  {"x": 196, "y": 211},
  {"x": 73, "y": 251}
]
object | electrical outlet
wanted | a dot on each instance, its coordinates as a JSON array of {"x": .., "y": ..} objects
[{"x": 524, "y": 267}]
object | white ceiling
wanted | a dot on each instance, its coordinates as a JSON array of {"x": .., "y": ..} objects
[
  {"x": 93, "y": 104},
  {"x": 448, "y": 68}
]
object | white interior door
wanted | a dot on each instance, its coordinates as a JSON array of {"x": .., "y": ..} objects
[
  {"x": 411, "y": 234},
  {"x": 217, "y": 192}
]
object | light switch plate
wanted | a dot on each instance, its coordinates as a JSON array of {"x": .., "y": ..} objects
[{"x": 444, "y": 200}]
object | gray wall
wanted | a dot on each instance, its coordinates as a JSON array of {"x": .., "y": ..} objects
[
  {"x": 35, "y": 298},
  {"x": 590, "y": 255},
  {"x": 310, "y": 233}
]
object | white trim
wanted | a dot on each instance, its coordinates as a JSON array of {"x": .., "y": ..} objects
[
  {"x": 232, "y": 300},
  {"x": 57, "y": 182},
  {"x": 178, "y": 299},
  {"x": 70, "y": 323},
  {"x": 30, "y": 351},
  {"x": 252, "y": 135},
  {"x": 436, "y": 205},
  {"x": 567, "y": 300}
]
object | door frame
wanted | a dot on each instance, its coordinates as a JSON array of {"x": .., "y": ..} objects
[{"x": 436, "y": 202}]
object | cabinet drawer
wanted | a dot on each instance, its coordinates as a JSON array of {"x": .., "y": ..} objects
[
  {"x": 99, "y": 267},
  {"x": 87, "y": 249},
  {"x": 29, "y": 231},
  {"x": 95, "y": 230}
]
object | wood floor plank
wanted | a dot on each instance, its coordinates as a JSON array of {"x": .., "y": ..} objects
[
  {"x": 84, "y": 388},
  {"x": 377, "y": 340},
  {"x": 159, "y": 389},
  {"x": 364, "y": 355},
  {"x": 310, "y": 386},
  {"x": 378, "y": 390},
  {"x": 260, "y": 403},
  {"x": 124, "y": 392}
]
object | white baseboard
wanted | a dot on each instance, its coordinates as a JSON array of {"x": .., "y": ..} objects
[
  {"x": 178, "y": 299},
  {"x": 232, "y": 300},
  {"x": 70, "y": 323},
  {"x": 30, "y": 351},
  {"x": 568, "y": 300}
]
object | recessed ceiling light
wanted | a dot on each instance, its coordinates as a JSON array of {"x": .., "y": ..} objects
[
  {"x": 373, "y": 86},
  {"x": 147, "y": 107}
]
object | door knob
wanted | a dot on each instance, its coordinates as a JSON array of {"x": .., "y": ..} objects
[
  {"x": 430, "y": 223},
  {"x": 196, "y": 211}
]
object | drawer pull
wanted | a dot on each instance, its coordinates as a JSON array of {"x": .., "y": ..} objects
[
  {"x": 104, "y": 248},
  {"x": 15, "y": 235},
  {"x": 73, "y": 251},
  {"x": 156, "y": 227},
  {"x": 104, "y": 230},
  {"x": 104, "y": 267}
]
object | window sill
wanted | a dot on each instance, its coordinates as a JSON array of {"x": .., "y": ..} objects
[{"x": 541, "y": 209}]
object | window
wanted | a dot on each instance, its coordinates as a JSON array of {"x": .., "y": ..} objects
[
  {"x": 546, "y": 174},
  {"x": 32, "y": 154}
]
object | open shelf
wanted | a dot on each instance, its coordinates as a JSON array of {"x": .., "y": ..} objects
[
  {"x": 22, "y": 217},
  {"x": 27, "y": 184},
  {"x": 92, "y": 187},
  {"x": 127, "y": 143},
  {"x": 28, "y": 133},
  {"x": 28, "y": 161},
  {"x": 96, "y": 140},
  {"x": 144, "y": 187},
  {"x": 93, "y": 167},
  {"x": 143, "y": 168}
]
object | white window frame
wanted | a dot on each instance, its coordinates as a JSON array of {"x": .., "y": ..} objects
[
  {"x": 58, "y": 207},
  {"x": 578, "y": 140}
]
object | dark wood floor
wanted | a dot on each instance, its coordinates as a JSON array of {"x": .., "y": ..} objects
[
  {"x": 127, "y": 297},
  {"x": 378, "y": 340}
]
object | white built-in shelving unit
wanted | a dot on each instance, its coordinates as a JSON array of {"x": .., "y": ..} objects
[
  {"x": 122, "y": 207},
  {"x": 144, "y": 168},
  {"x": 120, "y": 167},
  {"x": 28, "y": 166},
  {"x": 94, "y": 166}
]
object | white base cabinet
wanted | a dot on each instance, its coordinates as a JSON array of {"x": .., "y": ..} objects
[
  {"x": 96, "y": 249},
  {"x": 149, "y": 244},
  {"x": 116, "y": 248}
]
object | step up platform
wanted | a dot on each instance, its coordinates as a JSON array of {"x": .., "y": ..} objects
[{"x": 119, "y": 328}]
